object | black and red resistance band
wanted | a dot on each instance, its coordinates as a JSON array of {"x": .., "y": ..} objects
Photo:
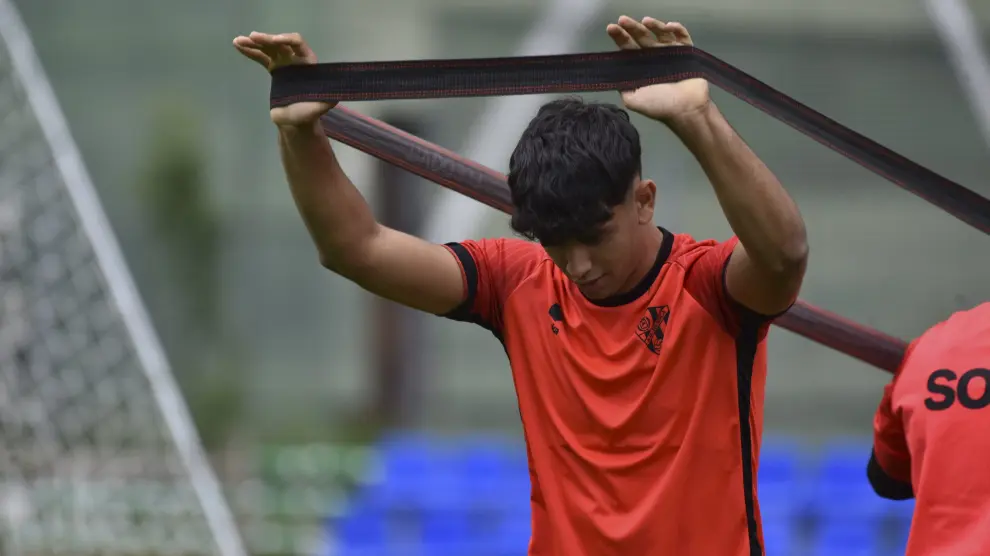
[{"x": 608, "y": 71}]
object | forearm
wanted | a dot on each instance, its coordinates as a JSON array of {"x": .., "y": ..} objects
[
  {"x": 334, "y": 211},
  {"x": 760, "y": 212},
  {"x": 394, "y": 265}
]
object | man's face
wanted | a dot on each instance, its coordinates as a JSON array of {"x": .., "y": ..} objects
[{"x": 601, "y": 265}]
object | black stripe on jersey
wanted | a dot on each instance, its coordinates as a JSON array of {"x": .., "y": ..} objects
[
  {"x": 746, "y": 344},
  {"x": 747, "y": 341},
  {"x": 883, "y": 484},
  {"x": 464, "y": 312}
]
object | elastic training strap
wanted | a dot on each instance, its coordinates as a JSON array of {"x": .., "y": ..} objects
[
  {"x": 614, "y": 71},
  {"x": 488, "y": 186}
]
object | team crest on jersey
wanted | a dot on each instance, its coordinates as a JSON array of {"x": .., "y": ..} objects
[{"x": 651, "y": 327}]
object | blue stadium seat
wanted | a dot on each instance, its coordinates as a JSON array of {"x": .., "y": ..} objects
[
  {"x": 472, "y": 497},
  {"x": 847, "y": 501},
  {"x": 416, "y": 475},
  {"x": 363, "y": 529},
  {"x": 781, "y": 500},
  {"x": 780, "y": 460},
  {"x": 842, "y": 490},
  {"x": 900, "y": 542},
  {"x": 406, "y": 461},
  {"x": 486, "y": 468},
  {"x": 782, "y": 481},
  {"x": 446, "y": 533},
  {"x": 496, "y": 475},
  {"x": 847, "y": 538},
  {"x": 779, "y": 512},
  {"x": 778, "y": 538},
  {"x": 511, "y": 538},
  {"x": 343, "y": 550},
  {"x": 844, "y": 459},
  {"x": 901, "y": 510},
  {"x": 480, "y": 458}
]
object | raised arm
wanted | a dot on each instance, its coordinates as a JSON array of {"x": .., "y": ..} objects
[
  {"x": 348, "y": 239},
  {"x": 767, "y": 267}
]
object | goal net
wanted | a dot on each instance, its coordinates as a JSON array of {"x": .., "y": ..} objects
[{"x": 98, "y": 454}]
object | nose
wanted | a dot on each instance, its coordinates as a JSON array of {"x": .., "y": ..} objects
[{"x": 578, "y": 262}]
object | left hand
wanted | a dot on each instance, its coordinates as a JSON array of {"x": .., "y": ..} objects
[
  {"x": 664, "y": 102},
  {"x": 276, "y": 51}
]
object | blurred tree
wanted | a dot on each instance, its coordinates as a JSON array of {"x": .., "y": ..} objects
[{"x": 183, "y": 266}]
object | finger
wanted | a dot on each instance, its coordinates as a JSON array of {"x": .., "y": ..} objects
[
  {"x": 262, "y": 39},
  {"x": 254, "y": 54},
  {"x": 280, "y": 54},
  {"x": 643, "y": 36},
  {"x": 296, "y": 44},
  {"x": 244, "y": 45},
  {"x": 271, "y": 47},
  {"x": 621, "y": 37},
  {"x": 244, "y": 41},
  {"x": 659, "y": 29},
  {"x": 681, "y": 32},
  {"x": 678, "y": 31},
  {"x": 292, "y": 44},
  {"x": 291, "y": 39}
]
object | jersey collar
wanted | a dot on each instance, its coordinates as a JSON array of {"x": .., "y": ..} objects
[{"x": 666, "y": 246}]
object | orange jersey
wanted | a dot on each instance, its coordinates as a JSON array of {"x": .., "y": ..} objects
[
  {"x": 932, "y": 437},
  {"x": 642, "y": 414}
]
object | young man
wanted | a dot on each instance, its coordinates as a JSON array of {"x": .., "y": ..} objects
[
  {"x": 931, "y": 436},
  {"x": 638, "y": 354}
]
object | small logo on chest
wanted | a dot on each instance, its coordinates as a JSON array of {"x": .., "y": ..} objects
[
  {"x": 557, "y": 315},
  {"x": 651, "y": 327}
]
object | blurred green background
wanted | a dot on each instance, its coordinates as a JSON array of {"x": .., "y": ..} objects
[{"x": 272, "y": 350}]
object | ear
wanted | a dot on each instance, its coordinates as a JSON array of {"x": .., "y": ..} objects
[{"x": 645, "y": 198}]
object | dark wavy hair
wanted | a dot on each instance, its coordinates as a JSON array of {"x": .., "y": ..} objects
[{"x": 574, "y": 163}]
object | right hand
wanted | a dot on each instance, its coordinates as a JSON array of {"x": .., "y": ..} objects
[{"x": 275, "y": 51}]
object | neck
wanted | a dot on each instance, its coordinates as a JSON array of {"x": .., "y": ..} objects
[{"x": 648, "y": 246}]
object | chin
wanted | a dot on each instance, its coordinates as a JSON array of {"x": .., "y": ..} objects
[{"x": 595, "y": 291}]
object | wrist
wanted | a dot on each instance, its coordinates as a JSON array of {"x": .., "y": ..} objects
[
  {"x": 691, "y": 121},
  {"x": 292, "y": 129},
  {"x": 699, "y": 130}
]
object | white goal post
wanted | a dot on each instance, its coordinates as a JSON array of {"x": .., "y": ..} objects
[
  {"x": 98, "y": 453},
  {"x": 959, "y": 32}
]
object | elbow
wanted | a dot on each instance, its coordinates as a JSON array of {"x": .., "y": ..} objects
[
  {"x": 794, "y": 256},
  {"x": 343, "y": 263},
  {"x": 792, "y": 252},
  {"x": 790, "y": 258},
  {"x": 331, "y": 258},
  {"x": 329, "y": 262},
  {"x": 350, "y": 259}
]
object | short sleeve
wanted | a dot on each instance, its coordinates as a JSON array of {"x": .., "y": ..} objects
[
  {"x": 707, "y": 283},
  {"x": 889, "y": 467},
  {"x": 491, "y": 269},
  {"x": 889, "y": 441}
]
